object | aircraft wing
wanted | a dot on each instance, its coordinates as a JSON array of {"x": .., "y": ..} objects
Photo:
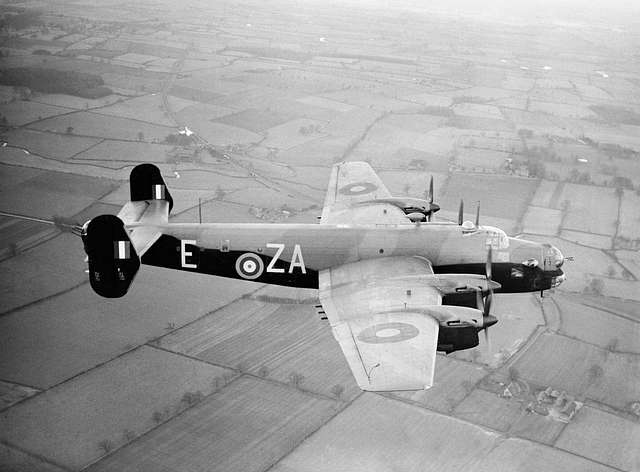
[
  {"x": 387, "y": 327},
  {"x": 351, "y": 185}
]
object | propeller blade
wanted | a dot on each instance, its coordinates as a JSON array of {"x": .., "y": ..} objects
[
  {"x": 430, "y": 194},
  {"x": 487, "y": 303},
  {"x": 487, "y": 319},
  {"x": 486, "y": 339},
  {"x": 478, "y": 214},
  {"x": 461, "y": 213}
]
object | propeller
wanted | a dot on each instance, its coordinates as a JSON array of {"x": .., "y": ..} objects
[
  {"x": 461, "y": 213},
  {"x": 478, "y": 214},
  {"x": 487, "y": 319},
  {"x": 429, "y": 197},
  {"x": 489, "y": 263}
]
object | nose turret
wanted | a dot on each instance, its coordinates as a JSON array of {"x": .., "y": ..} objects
[
  {"x": 556, "y": 257},
  {"x": 553, "y": 261}
]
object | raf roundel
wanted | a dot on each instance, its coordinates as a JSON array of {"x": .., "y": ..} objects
[
  {"x": 388, "y": 333},
  {"x": 249, "y": 266},
  {"x": 358, "y": 188}
]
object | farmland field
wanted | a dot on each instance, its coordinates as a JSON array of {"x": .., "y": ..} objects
[
  {"x": 619, "y": 288},
  {"x": 480, "y": 159},
  {"x": 590, "y": 209},
  {"x": 15, "y": 460},
  {"x": 78, "y": 103},
  {"x": 13, "y": 393},
  {"x": 56, "y": 146},
  {"x": 612, "y": 385},
  {"x": 114, "y": 402},
  {"x": 322, "y": 151},
  {"x": 538, "y": 428},
  {"x": 296, "y": 345},
  {"x": 376, "y": 433},
  {"x": 454, "y": 380},
  {"x": 631, "y": 260},
  {"x": 247, "y": 426},
  {"x": 19, "y": 113},
  {"x": 146, "y": 108},
  {"x": 18, "y": 234},
  {"x": 526, "y": 456},
  {"x": 49, "y": 194},
  {"x": 95, "y": 125},
  {"x": 128, "y": 152},
  {"x": 629, "y": 227},
  {"x": 40, "y": 272},
  {"x": 601, "y": 241},
  {"x": 46, "y": 324},
  {"x": 192, "y": 115},
  {"x": 538, "y": 220},
  {"x": 257, "y": 120},
  {"x": 580, "y": 369},
  {"x": 490, "y": 191},
  {"x": 487, "y": 409},
  {"x": 561, "y": 109},
  {"x": 186, "y": 372},
  {"x": 602, "y": 437},
  {"x": 607, "y": 330},
  {"x": 325, "y": 103},
  {"x": 544, "y": 194},
  {"x": 291, "y": 134},
  {"x": 476, "y": 110},
  {"x": 218, "y": 134}
]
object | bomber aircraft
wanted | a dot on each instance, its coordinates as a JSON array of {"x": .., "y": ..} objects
[{"x": 394, "y": 285}]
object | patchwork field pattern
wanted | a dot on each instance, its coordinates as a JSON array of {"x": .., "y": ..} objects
[{"x": 244, "y": 111}]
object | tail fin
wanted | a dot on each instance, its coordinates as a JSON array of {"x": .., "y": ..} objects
[
  {"x": 114, "y": 244},
  {"x": 113, "y": 261},
  {"x": 150, "y": 205},
  {"x": 146, "y": 183}
]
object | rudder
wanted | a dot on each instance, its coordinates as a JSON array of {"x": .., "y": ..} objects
[
  {"x": 113, "y": 261},
  {"x": 146, "y": 183}
]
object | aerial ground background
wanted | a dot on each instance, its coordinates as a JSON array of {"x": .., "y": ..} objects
[{"x": 536, "y": 116}]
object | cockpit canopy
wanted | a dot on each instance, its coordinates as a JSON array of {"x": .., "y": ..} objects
[{"x": 495, "y": 237}]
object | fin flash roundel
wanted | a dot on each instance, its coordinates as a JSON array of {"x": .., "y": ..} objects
[{"x": 249, "y": 266}]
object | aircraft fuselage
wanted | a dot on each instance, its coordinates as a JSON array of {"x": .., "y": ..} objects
[{"x": 293, "y": 254}]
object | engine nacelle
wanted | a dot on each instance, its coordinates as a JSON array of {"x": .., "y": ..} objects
[
  {"x": 113, "y": 261},
  {"x": 457, "y": 338}
]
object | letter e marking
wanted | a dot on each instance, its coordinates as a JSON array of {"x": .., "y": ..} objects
[{"x": 184, "y": 253}]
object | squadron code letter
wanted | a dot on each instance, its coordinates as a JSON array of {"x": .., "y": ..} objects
[{"x": 184, "y": 253}]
